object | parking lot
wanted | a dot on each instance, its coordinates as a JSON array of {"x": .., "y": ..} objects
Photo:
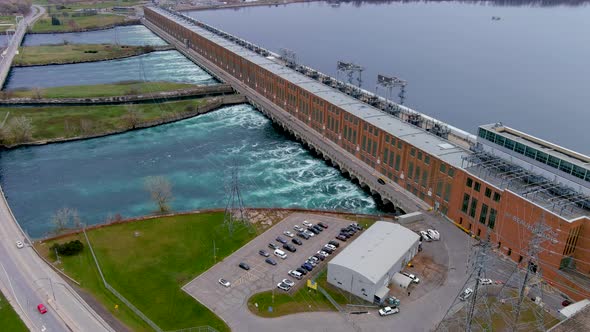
[{"x": 262, "y": 276}]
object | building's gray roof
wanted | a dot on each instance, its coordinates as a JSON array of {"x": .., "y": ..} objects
[
  {"x": 413, "y": 135},
  {"x": 376, "y": 250}
]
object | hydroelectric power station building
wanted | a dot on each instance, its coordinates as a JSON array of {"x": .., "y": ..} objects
[
  {"x": 502, "y": 183},
  {"x": 366, "y": 267}
]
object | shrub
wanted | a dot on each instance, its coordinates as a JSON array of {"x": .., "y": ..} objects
[
  {"x": 69, "y": 248},
  {"x": 55, "y": 21}
]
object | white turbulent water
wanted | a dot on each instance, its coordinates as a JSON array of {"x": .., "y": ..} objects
[
  {"x": 104, "y": 176},
  {"x": 125, "y": 35}
]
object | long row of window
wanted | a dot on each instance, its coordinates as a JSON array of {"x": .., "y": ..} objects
[
  {"x": 535, "y": 154},
  {"x": 476, "y": 185},
  {"x": 469, "y": 207}
]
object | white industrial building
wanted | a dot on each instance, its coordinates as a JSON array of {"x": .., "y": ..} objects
[{"x": 366, "y": 266}]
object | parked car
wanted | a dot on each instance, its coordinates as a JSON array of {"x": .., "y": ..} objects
[
  {"x": 289, "y": 234},
  {"x": 313, "y": 230},
  {"x": 334, "y": 243},
  {"x": 323, "y": 225},
  {"x": 296, "y": 274},
  {"x": 310, "y": 262},
  {"x": 224, "y": 282},
  {"x": 284, "y": 286},
  {"x": 273, "y": 246},
  {"x": 20, "y": 244},
  {"x": 288, "y": 282},
  {"x": 381, "y": 181},
  {"x": 345, "y": 234},
  {"x": 323, "y": 253},
  {"x": 41, "y": 308},
  {"x": 320, "y": 257},
  {"x": 270, "y": 261},
  {"x": 329, "y": 245},
  {"x": 289, "y": 247},
  {"x": 357, "y": 226},
  {"x": 306, "y": 223},
  {"x": 310, "y": 234},
  {"x": 388, "y": 311},
  {"x": 303, "y": 235},
  {"x": 244, "y": 266},
  {"x": 565, "y": 303},
  {"x": 341, "y": 237},
  {"x": 307, "y": 266},
  {"x": 301, "y": 270},
  {"x": 298, "y": 228},
  {"x": 280, "y": 253},
  {"x": 434, "y": 234},
  {"x": 328, "y": 250},
  {"x": 297, "y": 242},
  {"x": 317, "y": 228},
  {"x": 425, "y": 237},
  {"x": 263, "y": 253},
  {"x": 485, "y": 281},
  {"x": 415, "y": 279},
  {"x": 466, "y": 294},
  {"x": 281, "y": 240}
]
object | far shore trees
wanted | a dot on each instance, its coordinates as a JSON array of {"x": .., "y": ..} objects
[
  {"x": 160, "y": 191},
  {"x": 18, "y": 130}
]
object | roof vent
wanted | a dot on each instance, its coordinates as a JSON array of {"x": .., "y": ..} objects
[{"x": 446, "y": 146}]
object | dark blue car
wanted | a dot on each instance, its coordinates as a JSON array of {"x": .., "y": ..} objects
[{"x": 307, "y": 266}]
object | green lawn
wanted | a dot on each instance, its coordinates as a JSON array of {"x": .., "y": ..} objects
[
  {"x": 71, "y": 121},
  {"x": 102, "y": 90},
  {"x": 60, "y": 54},
  {"x": 6, "y": 20},
  {"x": 149, "y": 269},
  {"x": 9, "y": 320},
  {"x": 82, "y": 22}
]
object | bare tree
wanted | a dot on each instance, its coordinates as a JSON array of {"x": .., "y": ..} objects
[
  {"x": 64, "y": 218},
  {"x": 132, "y": 116},
  {"x": 86, "y": 126},
  {"x": 160, "y": 191},
  {"x": 37, "y": 93},
  {"x": 19, "y": 129}
]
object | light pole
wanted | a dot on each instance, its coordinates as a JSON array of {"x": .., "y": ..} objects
[{"x": 51, "y": 285}]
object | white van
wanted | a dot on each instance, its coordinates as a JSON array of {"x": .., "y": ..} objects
[
  {"x": 280, "y": 253},
  {"x": 466, "y": 294},
  {"x": 295, "y": 274}
]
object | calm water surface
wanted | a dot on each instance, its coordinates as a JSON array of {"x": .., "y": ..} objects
[
  {"x": 530, "y": 70},
  {"x": 125, "y": 35},
  {"x": 105, "y": 176},
  {"x": 155, "y": 66}
]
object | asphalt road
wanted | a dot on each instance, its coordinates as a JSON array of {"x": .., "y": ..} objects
[{"x": 27, "y": 281}]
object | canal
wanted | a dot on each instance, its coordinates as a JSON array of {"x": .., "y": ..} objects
[
  {"x": 105, "y": 176},
  {"x": 529, "y": 70},
  {"x": 156, "y": 66},
  {"x": 136, "y": 35}
]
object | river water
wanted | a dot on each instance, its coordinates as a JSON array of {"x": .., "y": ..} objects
[
  {"x": 136, "y": 35},
  {"x": 155, "y": 66},
  {"x": 530, "y": 70},
  {"x": 105, "y": 176}
]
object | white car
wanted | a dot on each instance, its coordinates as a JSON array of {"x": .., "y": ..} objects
[
  {"x": 312, "y": 258},
  {"x": 415, "y": 279},
  {"x": 310, "y": 234},
  {"x": 295, "y": 274},
  {"x": 425, "y": 236},
  {"x": 388, "y": 311},
  {"x": 288, "y": 282},
  {"x": 307, "y": 223},
  {"x": 323, "y": 253},
  {"x": 283, "y": 286},
  {"x": 224, "y": 282},
  {"x": 289, "y": 234},
  {"x": 20, "y": 245},
  {"x": 330, "y": 246},
  {"x": 485, "y": 281},
  {"x": 466, "y": 294},
  {"x": 434, "y": 234},
  {"x": 298, "y": 228}
]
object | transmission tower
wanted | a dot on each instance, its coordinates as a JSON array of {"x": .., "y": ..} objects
[
  {"x": 350, "y": 69},
  {"x": 235, "y": 213},
  {"x": 289, "y": 56},
  {"x": 472, "y": 313},
  {"x": 390, "y": 82},
  {"x": 529, "y": 283}
]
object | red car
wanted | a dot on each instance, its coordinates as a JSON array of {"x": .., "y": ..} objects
[{"x": 41, "y": 308}]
